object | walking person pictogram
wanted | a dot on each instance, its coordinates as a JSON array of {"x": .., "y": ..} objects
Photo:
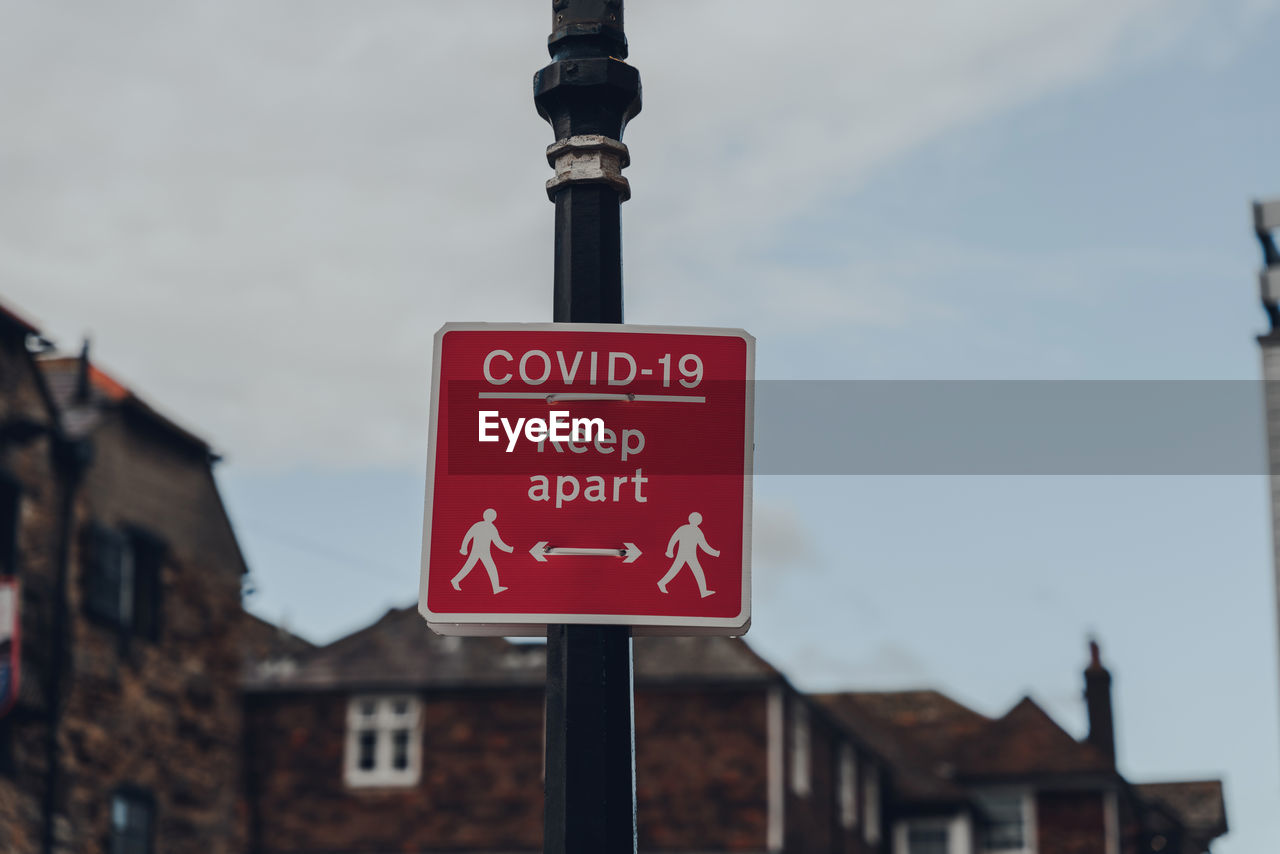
[
  {"x": 689, "y": 538},
  {"x": 482, "y": 536}
]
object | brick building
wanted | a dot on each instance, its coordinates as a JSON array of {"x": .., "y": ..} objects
[
  {"x": 32, "y": 531},
  {"x": 126, "y": 734},
  {"x": 1020, "y": 784},
  {"x": 396, "y": 739}
]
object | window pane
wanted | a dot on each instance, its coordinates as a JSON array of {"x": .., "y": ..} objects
[
  {"x": 1004, "y": 836},
  {"x": 368, "y": 749},
  {"x": 400, "y": 749},
  {"x": 102, "y": 578},
  {"x": 382, "y": 740},
  {"x": 147, "y": 557},
  {"x": 1004, "y": 830},
  {"x": 927, "y": 840},
  {"x": 800, "y": 748},
  {"x": 871, "y": 806},
  {"x": 130, "y": 824},
  {"x": 139, "y": 821},
  {"x": 126, "y": 584},
  {"x": 848, "y": 787}
]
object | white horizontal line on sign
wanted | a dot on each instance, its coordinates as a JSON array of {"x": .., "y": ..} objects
[
  {"x": 563, "y": 550},
  {"x": 569, "y": 396},
  {"x": 541, "y": 549}
]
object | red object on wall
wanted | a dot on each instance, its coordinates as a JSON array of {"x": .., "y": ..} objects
[{"x": 646, "y": 523}]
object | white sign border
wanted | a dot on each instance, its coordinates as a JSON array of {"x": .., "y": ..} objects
[{"x": 535, "y": 625}]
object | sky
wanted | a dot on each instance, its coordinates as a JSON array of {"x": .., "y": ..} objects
[{"x": 261, "y": 213}]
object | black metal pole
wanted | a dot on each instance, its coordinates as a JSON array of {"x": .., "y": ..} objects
[
  {"x": 587, "y": 94},
  {"x": 71, "y": 458}
]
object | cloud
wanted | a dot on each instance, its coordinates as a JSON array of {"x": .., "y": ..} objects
[
  {"x": 262, "y": 212},
  {"x": 780, "y": 539}
]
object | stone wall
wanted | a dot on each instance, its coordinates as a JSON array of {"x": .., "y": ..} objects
[
  {"x": 23, "y": 730},
  {"x": 161, "y": 714}
]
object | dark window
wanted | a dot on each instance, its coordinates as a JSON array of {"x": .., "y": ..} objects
[
  {"x": 104, "y": 577},
  {"x": 6, "y": 745},
  {"x": 123, "y": 584},
  {"x": 10, "y": 507},
  {"x": 400, "y": 749},
  {"x": 926, "y": 839},
  {"x": 368, "y": 749},
  {"x": 132, "y": 821},
  {"x": 1005, "y": 828},
  {"x": 148, "y": 558}
]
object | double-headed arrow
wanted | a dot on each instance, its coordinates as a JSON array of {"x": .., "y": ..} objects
[{"x": 629, "y": 552}]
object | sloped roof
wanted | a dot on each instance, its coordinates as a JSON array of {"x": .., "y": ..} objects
[
  {"x": 1027, "y": 742},
  {"x": 9, "y": 319},
  {"x": 919, "y": 778},
  {"x": 932, "y": 740},
  {"x": 263, "y": 640},
  {"x": 399, "y": 651},
  {"x": 934, "y": 722},
  {"x": 18, "y": 331},
  {"x": 674, "y": 659},
  {"x": 1198, "y": 804},
  {"x": 81, "y": 416}
]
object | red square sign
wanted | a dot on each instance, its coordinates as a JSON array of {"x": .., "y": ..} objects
[{"x": 589, "y": 473}]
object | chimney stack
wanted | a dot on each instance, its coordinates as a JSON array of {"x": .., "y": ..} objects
[
  {"x": 1097, "y": 699},
  {"x": 82, "y": 375}
]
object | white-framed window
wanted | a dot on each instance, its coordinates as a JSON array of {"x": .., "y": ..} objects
[
  {"x": 871, "y": 805},
  {"x": 384, "y": 740},
  {"x": 1009, "y": 823},
  {"x": 848, "y": 786},
  {"x": 801, "y": 782},
  {"x": 928, "y": 837}
]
